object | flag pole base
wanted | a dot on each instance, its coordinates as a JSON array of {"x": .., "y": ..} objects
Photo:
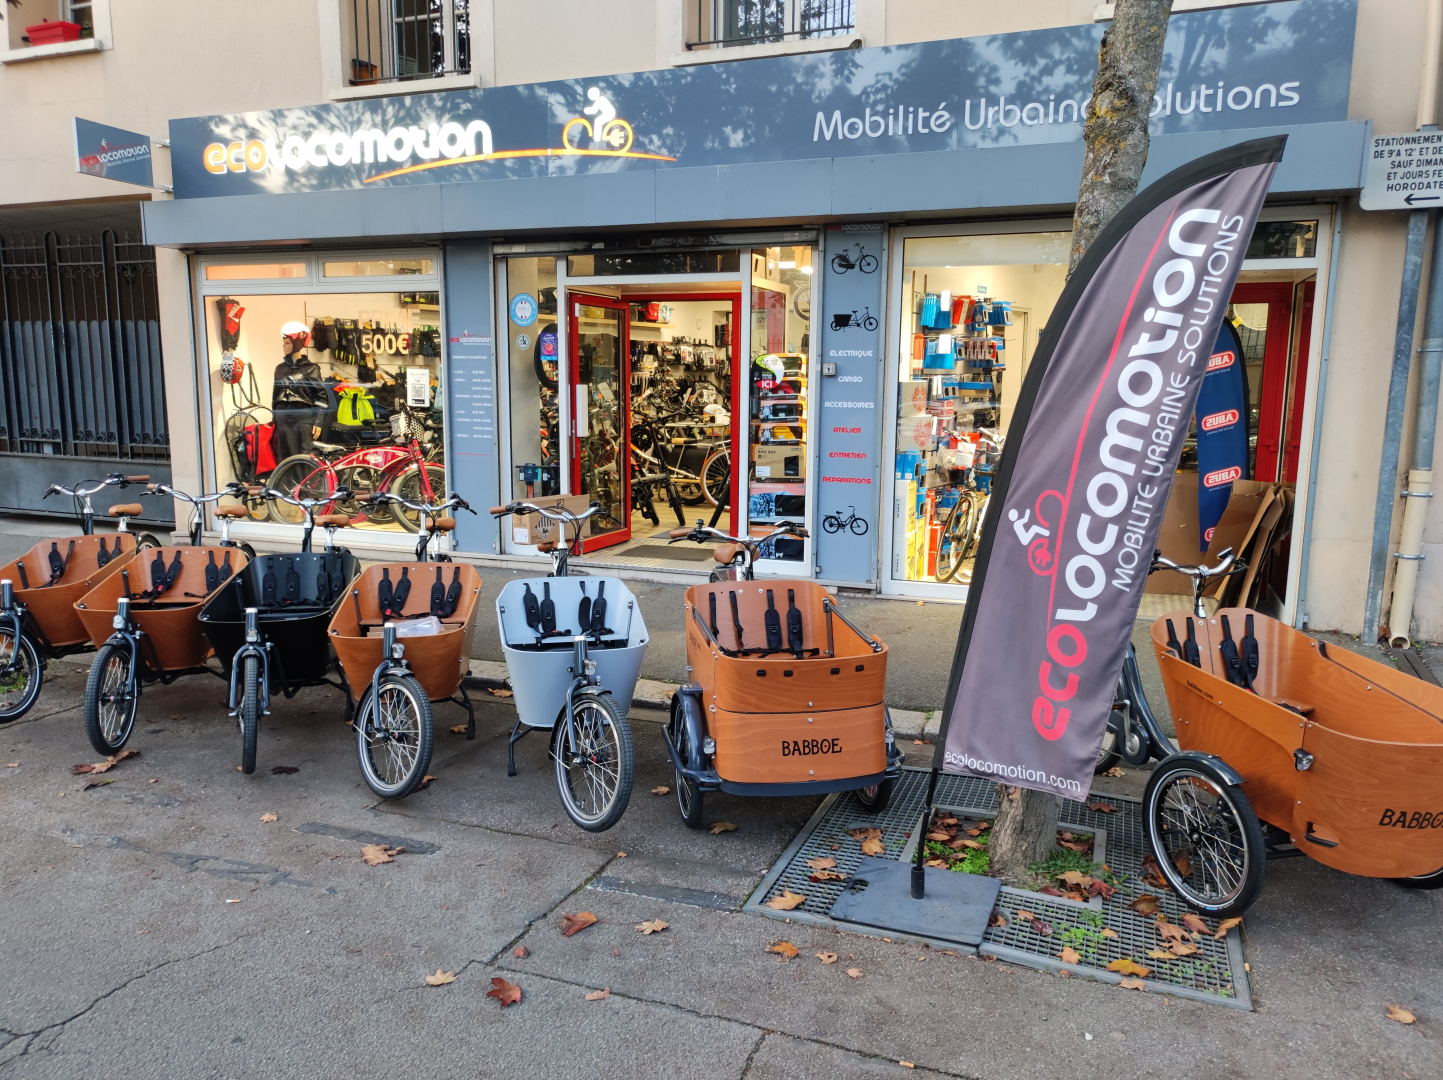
[{"x": 956, "y": 907}]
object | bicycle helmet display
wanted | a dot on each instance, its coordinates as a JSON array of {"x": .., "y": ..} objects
[{"x": 298, "y": 333}]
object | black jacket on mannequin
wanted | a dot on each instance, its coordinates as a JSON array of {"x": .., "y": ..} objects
[{"x": 298, "y": 401}]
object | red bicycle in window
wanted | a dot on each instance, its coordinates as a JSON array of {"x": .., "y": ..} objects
[{"x": 406, "y": 468}]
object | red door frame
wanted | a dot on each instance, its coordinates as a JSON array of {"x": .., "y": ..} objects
[
  {"x": 1293, "y": 422},
  {"x": 1273, "y": 393},
  {"x": 738, "y": 403},
  {"x": 623, "y": 363}
]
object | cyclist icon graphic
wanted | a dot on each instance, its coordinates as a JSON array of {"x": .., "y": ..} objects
[{"x": 606, "y": 131}]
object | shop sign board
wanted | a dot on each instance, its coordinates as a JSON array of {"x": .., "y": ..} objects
[
  {"x": 1260, "y": 65},
  {"x": 848, "y": 483},
  {"x": 472, "y": 469},
  {"x": 112, "y": 153},
  {"x": 1092, "y": 449},
  {"x": 1404, "y": 172}
]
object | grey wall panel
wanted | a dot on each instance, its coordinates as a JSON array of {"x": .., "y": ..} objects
[
  {"x": 689, "y": 194},
  {"x": 620, "y": 198},
  {"x": 775, "y": 189}
]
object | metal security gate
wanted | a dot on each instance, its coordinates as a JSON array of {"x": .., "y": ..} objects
[{"x": 82, "y": 388}]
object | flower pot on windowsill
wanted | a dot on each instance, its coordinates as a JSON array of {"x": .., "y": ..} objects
[{"x": 48, "y": 33}]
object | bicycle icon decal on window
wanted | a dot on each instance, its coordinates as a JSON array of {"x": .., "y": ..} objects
[
  {"x": 843, "y": 261},
  {"x": 845, "y": 320}
]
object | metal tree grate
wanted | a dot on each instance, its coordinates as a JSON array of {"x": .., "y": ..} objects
[{"x": 1215, "y": 973}]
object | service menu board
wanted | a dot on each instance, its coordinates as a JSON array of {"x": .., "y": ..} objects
[
  {"x": 472, "y": 470},
  {"x": 849, "y": 423}
]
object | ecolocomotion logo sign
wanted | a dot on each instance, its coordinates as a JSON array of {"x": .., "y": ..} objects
[{"x": 599, "y": 132}]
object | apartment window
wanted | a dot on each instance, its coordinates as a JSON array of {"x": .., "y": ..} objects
[
  {"x": 721, "y": 23},
  {"x": 406, "y": 40},
  {"x": 81, "y": 14}
]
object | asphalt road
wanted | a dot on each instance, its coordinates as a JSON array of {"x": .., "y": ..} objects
[{"x": 120, "y": 954}]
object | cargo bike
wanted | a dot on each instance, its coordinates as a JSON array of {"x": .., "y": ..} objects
[
  {"x": 399, "y": 662},
  {"x": 784, "y": 693},
  {"x": 268, "y": 623},
  {"x": 1288, "y": 747},
  {"x": 573, "y": 649},
  {"x": 38, "y": 592},
  {"x": 144, "y": 618}
]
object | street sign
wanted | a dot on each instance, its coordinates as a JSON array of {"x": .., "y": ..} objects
[
  {"x": 114, "y": 153},
  {"x": 1405, "y": 172}
]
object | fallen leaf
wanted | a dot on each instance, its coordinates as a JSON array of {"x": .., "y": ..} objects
[
  {"x": 1070, "y": 955},
  {"x": 521, "y": 952},
  {"x": 661, "y": 789},
  {"x": 963, "y": 842},
  {"x": 822, "y": 862},
  {"x": 12, "y": 764},
  {"x": 1101, "y": 807},
  {"x": 102, "y": 766},
  {"x": 873, "y": 847},
  {"x": 1184, "y": 948},
  {"x": 997, "y": 919},
  {"x": 458, "y": 729},
  {"x": 97, "y": 783},
  {"x": 974, "y": 832},
  {"x": 599, "y": 995},
  {"x": 863, "y": 833},
  {"x": 1075, "y": 877},
  {"x": 441, "y": 978},
  {"x": 426, "y": 782},
  {"x": 1146, "y": 904},
  {"x": 1170, "y": 931},
  {"x": 1115, "y": 771},
  {"x": 1075, "y": 845},
  {"x": 621, "y": 854},
  {"x": 786, "y": 901},
  {"x": 1226, "y": 925},
  {"x": 1132, "y": 984},
  {"x": 1183, "y": 864},
  {"x": 652, "y": 926},
  {"x": 1042, "y": 927},
  {"x": 1025, "y": 915},
  {"x": 1196, "y": 924},
  {"x": 785, "y": 949},
  {"x": 1152, "y": 874},
  {"x": 572, "y": 924},
  {"x": 284, "y": 770},
  {"x": 718, "y": 827},
  {"x": 918, "y": 742},
  {"x": 1400, "y": 1014},
  {"x": 498, "y": 692},
  {"x": 1101, "y": 888},
  {"x": 1109, "y": 932},
  {"x": 508, "y": 993},
  {"x": 826, "y": 875},
  {"x": 827, "y": 957},
  {"x": 266, "y": 818},
  {"x": 376, "y": 854},
  {"x": 1129, "y": 967},
  {"x": 855, "y": 973},
  {"x": 940, "y": 864},
  {"x": 939, "y": 836},
  {"x": 1160, "y": 954}
]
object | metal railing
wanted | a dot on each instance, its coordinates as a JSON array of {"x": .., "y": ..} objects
[
  {"x": 406, "y": 40},
  {"x": 721, "y": 23},
  {"x": 80, "y": 363}
]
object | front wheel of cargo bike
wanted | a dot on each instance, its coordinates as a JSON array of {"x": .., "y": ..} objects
[
  {"x": 594, "y": 779},
  {"x": 394, "y": 741},
  {"x": 689, "y": 798},
  {"x": 110, "y": 700},
  {"x": 20, "y": 685},
  {"x": 878, "y": 797},
  {"x": 250, "y": 711}
]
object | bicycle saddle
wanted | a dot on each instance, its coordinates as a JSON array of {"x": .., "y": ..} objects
[
  {"x": 443, "y": 524},
  {"x": 328, "y": 448},
  {"x": 231, "y": 511},
  {"x": 725, "y": 553},
  {"x": 333, "y": 521},
  {"x": 126, "y": 510}
]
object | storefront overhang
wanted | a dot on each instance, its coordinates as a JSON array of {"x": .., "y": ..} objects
[{"x": 1321, "y": 159}]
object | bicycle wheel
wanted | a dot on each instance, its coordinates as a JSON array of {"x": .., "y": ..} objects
[
  {"x": 858, "y": 526},
  {"x": 300, "y": 478},
  {"x": 974, "y": 533},
  {"x": 831, "y": 523},
  {"x": 110, "y": 699},
  {"x": 363, "y": 479},
  {"x": 689, "y": 489},
  {"x": 867, "y": 264},
  {"x": 689, "y": 798},
  {"x": 1108, "y": 749},
  {"x": 408, "y": 486},
  {"x": 595, "y": 779},
  {"x": 394, "y": 740},
  {"x": 876, "y": 798},
  {"x": 146, "y": 541},
  {"x": 869, "y": 322},
  {"x": 20, "y": 687},
  {"x": 249, "y": 552},
  {"x": 841, "y": 264},
  {"x": 952, "y": 544},
  {"x": 250, "y": 711},
  {"x": 1205, "y": 836},
  {"x": 1422, "y": 881},
  {"x": 717, "y": 475}
]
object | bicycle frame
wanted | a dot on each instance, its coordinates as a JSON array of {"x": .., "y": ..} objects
[{"x": 391, "y": 460}]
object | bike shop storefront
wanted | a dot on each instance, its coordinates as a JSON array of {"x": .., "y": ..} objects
[
  {"x": 320, "y": 372},
  {"x": 641, "y": 376}
]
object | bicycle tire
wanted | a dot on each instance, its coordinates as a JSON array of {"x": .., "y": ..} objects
[
  {"x": 110, "y": 700},
  {"x": 841, "y": 264},
  {"x": 595, "y": 714},
  {"x": 869, "y": 323},
  {"x": 867, "y": 264},
  {"x": 386, "y": 737},
  {"x": 1108, "y": 752},
  {"x": 407, "y": 485},
  {"x": 690, "y": 800},
  {"x": 21, "y": 688},
  {"x": 878, "y": 797},
  {"x": 250, "y": 710},
  {"x": 717, "y": 475},
  {"x": 852, "y": 525},
  {"x": 831, "y": 524},
  {"x": 146, "y": 541},
  {"x": 953, "y": 541},
  {"x": 295, "y": 476}
]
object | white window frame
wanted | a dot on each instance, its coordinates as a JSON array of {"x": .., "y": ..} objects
[{"x": 99, "y": 20}]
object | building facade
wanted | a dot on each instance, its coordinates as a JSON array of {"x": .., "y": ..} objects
[{"x": 586, "y": 262}]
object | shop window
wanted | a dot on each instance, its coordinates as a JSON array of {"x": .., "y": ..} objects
[
  {"x": 1284, "y": 240},
  {"x": 313, "y": 392},
  {"x": 377, "y": 268},
  {"x": 535, "y": 351},
  {"x": 654, "y": 262},
  {"x": 971, "y": 311},
  {"x": 255, "y": 271}
]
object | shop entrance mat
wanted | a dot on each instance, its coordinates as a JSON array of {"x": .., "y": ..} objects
[{"x": 1215, "y": 972}]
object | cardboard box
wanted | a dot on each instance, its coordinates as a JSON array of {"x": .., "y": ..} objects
[
  {"x": 912, "y": 397},
  {"x": 538, "y": 529},
  {"x": 916, "y": 433},
  {"x": 780, "y": 462}
]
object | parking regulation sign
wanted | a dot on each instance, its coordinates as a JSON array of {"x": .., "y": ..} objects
[
  {"x": 111, "y": 152},
  {"x": 1405, "y": 172}
]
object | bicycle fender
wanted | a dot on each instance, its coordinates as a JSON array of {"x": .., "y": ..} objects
[
  {"x": 1228, "y": 773},
  {"x": 694, "y": 717}
]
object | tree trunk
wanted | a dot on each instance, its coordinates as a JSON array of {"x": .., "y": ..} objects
[{"x": 1115, "y": 139}]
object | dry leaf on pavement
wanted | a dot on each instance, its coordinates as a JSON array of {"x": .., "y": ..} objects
[
  {"x": 1109, "y": 932},
  {"x": 508, "y": 993},
  {"x": 1160, "y": 954},
  {"x": 1146, "y": 904},
  {"x": 376, "y": 854},
  {"x": 963, "y": 842},
  {"x": 599, "y": 995},
  {"x": 458, "y": 729},
  {"x": 661, "y": 789},
  {"x": 1042, "y": 927},
  {"x": 1070, "y": 955},
  {"x": 873, "y": 847},
  {"x": 1226, "y": 925},
  {"x": 1129, "y": 967},
  {"x": 1184, "y": 948},
  {"x": 826, "y": 875},
  {"x": 1022, "y": 913},
  {"x": 864, "y": 833},
  {"x": 521, "y": 952},
  {"x": 1196, "y": 924},
  {"x": 1115, "y": 771},
  {"x": 1132, "y": 984},
  {"x": 652, "y": 926},
  {"x": 1400, "y": 1014},
  {"x": 822, "y": 862},
  {"x": 827, "y": 957},
  {"x": 1101, "y": 807},
  {"x": 1170, "y": 931},
  {"x": 786, "y": 901},
  {"x": 441, "y": 978},
  {"x": 284, "y": 770},
  {"x": 106, "y": 765},
  {"x": 997, "y": 919},
  {"x": 721, "y": 827},
  {"x": 785, "y": 949},
  {"x": 1075, "y": 877},
  {"x": 855, "y": 973},
  {"x": 496, "y": 692},
  {"x": 572, "y": 924},
  {"x": 426, "y": 782},
  {"x": 266, "y": 818}
]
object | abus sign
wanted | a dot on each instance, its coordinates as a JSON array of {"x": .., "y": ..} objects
[
  {"x": 1091, "y": 453},
  {"x": 1218, "y": 477},
  {"x": 1218, "y": 420}
]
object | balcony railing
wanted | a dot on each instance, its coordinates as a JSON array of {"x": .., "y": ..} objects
[
  {"x": 722, "y": 23},
  {"x": 407, "y": 40}
]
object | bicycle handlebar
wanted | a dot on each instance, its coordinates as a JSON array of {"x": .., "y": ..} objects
[
  {"x": 113, "y": 480},
  {"x": 421, "y": 508},
  {"x": 554, "y": 513},
  {"x": 339, "y": 495},
  {"x": 1227, "y": 562},
  {"x": 233, "y": 489},
  {"x": 702, "y": 534}
]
